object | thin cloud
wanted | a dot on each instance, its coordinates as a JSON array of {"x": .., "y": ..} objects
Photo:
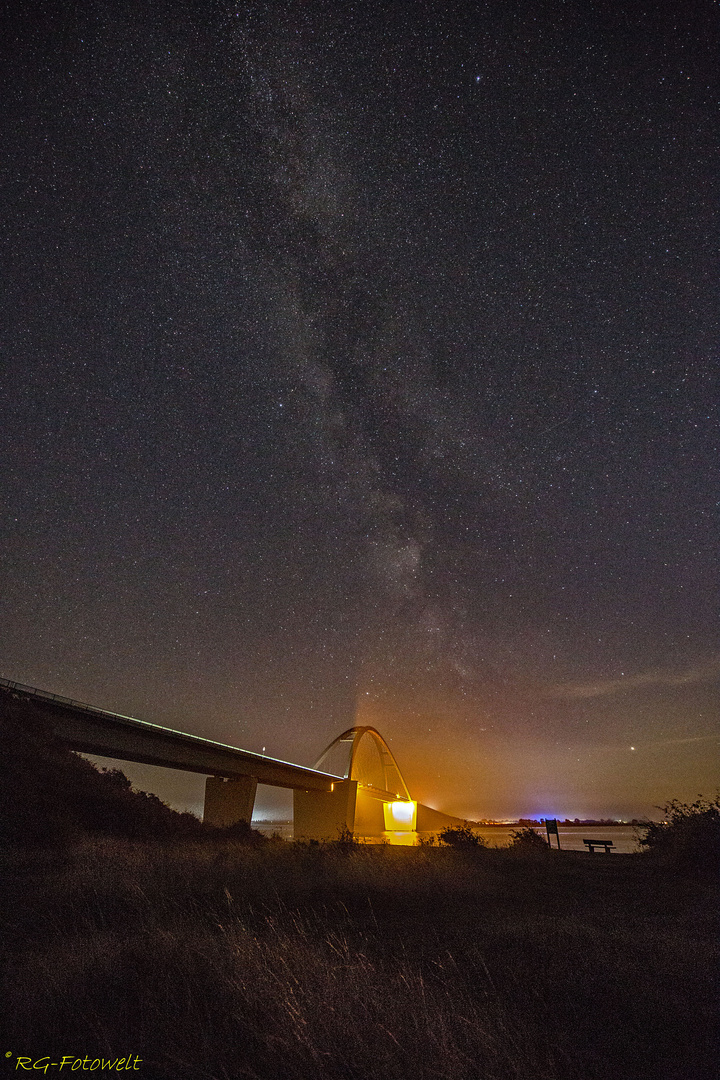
[
  {"x": 705, "y": 672},
  {"x": 687, "y": 739}
]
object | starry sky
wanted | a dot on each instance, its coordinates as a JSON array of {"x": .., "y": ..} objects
[{"x": 360, "y": 366}]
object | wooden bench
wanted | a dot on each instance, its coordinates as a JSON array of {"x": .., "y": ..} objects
[{"x": 592, "y": 844}]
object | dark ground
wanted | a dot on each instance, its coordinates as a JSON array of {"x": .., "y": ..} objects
[{"x": 219, "y": 961}]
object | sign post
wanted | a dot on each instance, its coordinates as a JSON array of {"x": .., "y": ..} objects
[{"x": 551, "y": 826}]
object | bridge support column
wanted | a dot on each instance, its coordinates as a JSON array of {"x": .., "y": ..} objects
[
  {"x": 369, "y": 819},
  {"x": 229, "y": 801},
  {"x": 323, "y": 815}
]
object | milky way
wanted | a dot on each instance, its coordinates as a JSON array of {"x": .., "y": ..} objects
[{"x": 361, "y": 367}]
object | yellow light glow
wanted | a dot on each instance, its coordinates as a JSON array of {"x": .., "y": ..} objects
[{"x": 400, "y": 816}]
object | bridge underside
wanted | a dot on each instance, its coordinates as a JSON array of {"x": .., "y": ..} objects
[{"x": 232, "y": 774}]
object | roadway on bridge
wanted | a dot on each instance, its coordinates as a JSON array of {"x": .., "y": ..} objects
[{"x": 91, "y": 730}]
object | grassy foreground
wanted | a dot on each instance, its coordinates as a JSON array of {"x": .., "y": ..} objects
[{"x": 283, "y": 961}]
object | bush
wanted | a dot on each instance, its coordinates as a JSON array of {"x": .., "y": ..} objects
[
  {"x": 427, "y": 839},
  {"x": 460, "y": 836},
  {"x": 240, "y": 833},
  {"x": 527, "y": 840},
  {"x": 346, "y": 841},
  {"x": 689, "y": 837}
]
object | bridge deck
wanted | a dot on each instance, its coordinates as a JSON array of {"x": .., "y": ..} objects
[{"x": 91, "y": 730}]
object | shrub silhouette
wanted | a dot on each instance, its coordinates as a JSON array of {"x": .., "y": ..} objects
[
  {"x": 460, "y": 836},
  {"x": 241, "y": 832},
  {"x": 689, "y": 838},
  {"x": 527, "y": 840},
  {"x": 346, "y": 840}
]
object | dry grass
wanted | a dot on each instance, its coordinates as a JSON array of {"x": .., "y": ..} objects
[{"x": 213, "y": 961}]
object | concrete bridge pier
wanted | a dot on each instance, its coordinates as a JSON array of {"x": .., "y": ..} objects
[
  {"x": 323, "y": 815},
  {"x": 229, "y": 801}
]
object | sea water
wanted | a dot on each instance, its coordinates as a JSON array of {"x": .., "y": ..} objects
[{"x": 624, "y": 837}]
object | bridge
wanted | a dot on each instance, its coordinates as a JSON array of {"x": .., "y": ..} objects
[{"x": 355, "y": 785}]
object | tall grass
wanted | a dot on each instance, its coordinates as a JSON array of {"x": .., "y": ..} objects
[{"x": 214, "y": 961}]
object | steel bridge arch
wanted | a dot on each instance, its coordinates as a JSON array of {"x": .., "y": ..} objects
[{"x": 392, "y": 784}]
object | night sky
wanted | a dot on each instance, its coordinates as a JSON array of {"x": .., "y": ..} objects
[{"x": 360, "y": 366}]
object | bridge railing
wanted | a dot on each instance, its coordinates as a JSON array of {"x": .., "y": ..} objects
[
  {"x": 133, "y": 721},
  {"x": 23, "y": 688}
]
